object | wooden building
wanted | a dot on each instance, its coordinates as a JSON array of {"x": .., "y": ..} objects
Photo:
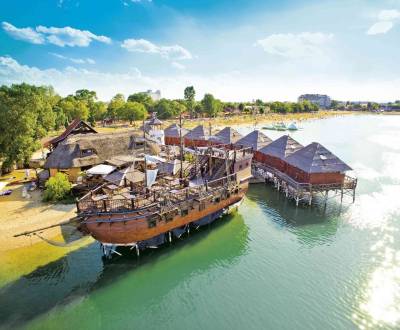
[
  {"x": 275, "y": 153},
  {"x": 172, "y": 134},
  {"x": 255, "y": 140},
  {"x": 197, "y": 137},
  {"x": 77, "y": 126},
  {"x": 227, "y": 135},
  {"x": 315, "y": 164},
  {"x": 79, "y": 152}
]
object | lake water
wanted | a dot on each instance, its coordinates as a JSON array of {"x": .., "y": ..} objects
[{"x": 270, "y": 266}]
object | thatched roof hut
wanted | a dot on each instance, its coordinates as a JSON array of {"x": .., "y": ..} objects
[
  {"x": 274, "y": 154},
  {"x": 77, "y": 126},
  {"x": 316, "y": 164},
  {"x": 256, "y": 140},
  {"x": 227, "y": 135},
  {"x": 91, "y": 149}
]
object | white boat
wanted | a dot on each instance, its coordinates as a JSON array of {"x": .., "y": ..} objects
[{"x": 292, "y": 127}]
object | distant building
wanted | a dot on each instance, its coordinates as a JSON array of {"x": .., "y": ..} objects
[
  {"x": 323, "y": 101},
  {"x": 156, "y": 96}
]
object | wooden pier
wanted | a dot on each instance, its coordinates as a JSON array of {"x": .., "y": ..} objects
[{"x": 302, "y": 192}]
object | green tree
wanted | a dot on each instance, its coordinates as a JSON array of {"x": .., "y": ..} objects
[
  {"x": 115, "y": 106},
  {"x": 189, "y": 95},
  {"x": 142, "y": 98},
  {"x": 97, "y": 111},
  {"x": 211, "y": 106},
  {"x": 26, "y": 114},
  {"x": 58, "y": 188},
  {"x": 73, "y": 108},
  {"x": 134, "y": 111},
  {"x": 169, "y": 109}
]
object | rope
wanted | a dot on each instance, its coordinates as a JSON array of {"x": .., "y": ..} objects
[{"x": 55, "y": 243}]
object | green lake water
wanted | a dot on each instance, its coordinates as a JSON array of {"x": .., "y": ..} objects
[{"x": 270, "y": 266}]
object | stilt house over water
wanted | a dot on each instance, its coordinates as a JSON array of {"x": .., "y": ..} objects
[
  {"x": 172, "y": 134},
  {"x": 255, "y": 140},
  {"x": 316, "y": 165},
  {"x": 227, "y": 135},
  {"x": 197, "y": 137},
  {"x": 274, "y": 154}
]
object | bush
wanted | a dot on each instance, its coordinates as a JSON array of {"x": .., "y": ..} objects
[{"x": 58, "y": 188}]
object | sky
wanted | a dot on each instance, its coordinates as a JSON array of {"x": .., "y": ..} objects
[{"x": 236, "y": 50}]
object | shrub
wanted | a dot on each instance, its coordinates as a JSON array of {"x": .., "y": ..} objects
[{"x": 58, "y": 188}]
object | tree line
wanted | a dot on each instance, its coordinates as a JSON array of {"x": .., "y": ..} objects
[{"x": 29, "y": 112}]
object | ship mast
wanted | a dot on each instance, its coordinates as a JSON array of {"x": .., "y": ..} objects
[{"x": 181, "y": 146}]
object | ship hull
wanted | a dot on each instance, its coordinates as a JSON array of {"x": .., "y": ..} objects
[{"x": 109, "y": 229}]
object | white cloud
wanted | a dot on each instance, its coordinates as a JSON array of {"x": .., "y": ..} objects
[
  {"x": 380, "y": 28},
  {"x": 66, "y": 36},
  {"x": 74, "y": 60},
  {"x": 174, "y": 52},
  {"x": 178, "y": 66},
  {"x": 26, "y": 34},
  {"x": 228, "y": 86},
  {"x": 389, "y": 14},
  {"x": 290, "y": 45},
  {"x": 386, "y": 20}
]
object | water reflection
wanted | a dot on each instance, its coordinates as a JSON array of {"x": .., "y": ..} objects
[
  {"x": 312, "y": 225},
  {"x": 83, "y": 272},
  {"x": 380, "y": 297}
]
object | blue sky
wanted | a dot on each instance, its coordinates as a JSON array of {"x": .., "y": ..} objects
[{"x": 236, "y": 50}]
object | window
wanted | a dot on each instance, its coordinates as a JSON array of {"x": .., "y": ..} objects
[
  {"x": 87, "y": 152},
  {"x": 152, "y": 222},
  {"x": 202, "y": 206},
  {"x": 184, "y": 212},
  {"x": 217, "y": 199},
  {"x": 169, "y": 216}
]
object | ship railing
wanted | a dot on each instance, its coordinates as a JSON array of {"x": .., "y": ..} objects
[{"x": 109, "y": 204}]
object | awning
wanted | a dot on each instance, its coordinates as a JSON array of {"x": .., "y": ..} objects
[{"x": 101, "y": 169}]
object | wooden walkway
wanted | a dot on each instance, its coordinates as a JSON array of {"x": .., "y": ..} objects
[{"x": 302, "y": 192}]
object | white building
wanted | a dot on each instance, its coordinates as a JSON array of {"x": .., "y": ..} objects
[
  {"x": 323, "y": 101},
  {"x": 156, "y": 96}
]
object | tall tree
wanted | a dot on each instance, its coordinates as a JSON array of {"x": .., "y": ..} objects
[
  {"x": 211, "y": 106},
  {"x": 142, "y": 98},
  {"x": 115, "y": 106},
  {"x": 168, "y": 109},
  {"x": 134, "y": 111},
  {"x": 189, "y": 95},
  {"x": 26, "y": 114}
]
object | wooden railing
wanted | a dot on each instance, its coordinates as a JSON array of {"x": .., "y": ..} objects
[{"x": 348, "y": 183}]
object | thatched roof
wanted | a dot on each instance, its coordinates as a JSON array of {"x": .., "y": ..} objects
[
  {"x": 92, "y": 149},
  {"x": 315, "y": 158},
  {"x": 281, "y": 148},
  {"x": 227, "y": 135},
  {"x": 255, "y": 140},
  {"x": 121, "y": 160},
  {"x": 173, "y": 131},
  {"x": 128, "y": 173},
  {"x": 197, "y": 133},
  {"x": 77, "y": 126}
]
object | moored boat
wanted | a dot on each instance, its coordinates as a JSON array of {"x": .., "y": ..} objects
[{"x": 143, "y": 216}]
